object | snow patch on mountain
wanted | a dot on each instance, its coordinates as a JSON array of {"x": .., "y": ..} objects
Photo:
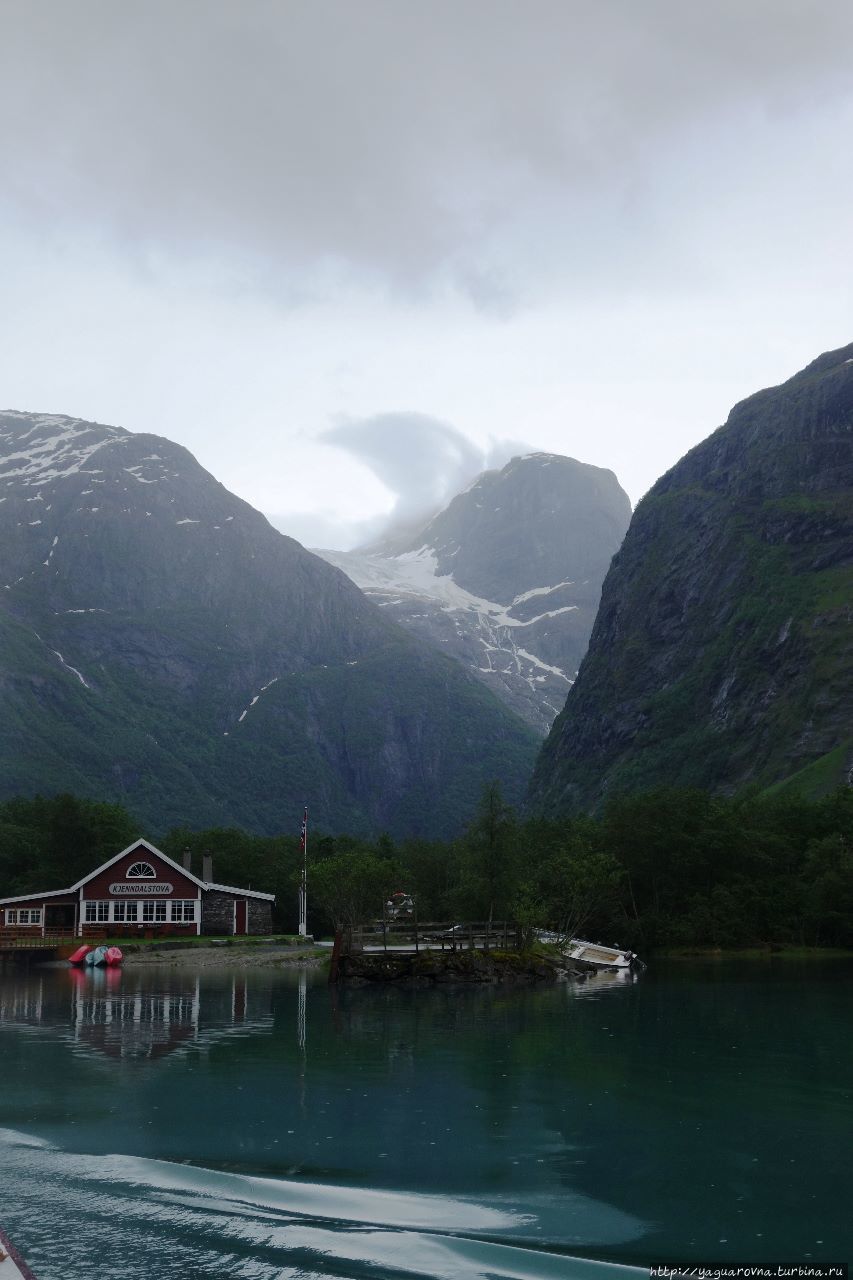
[
  {"x": 56, "y": 447},
  {"x": 539, "y": 591},
  {"x": 66, "y": 665},
  {"x": 415, "y": 573},
  {"x": 73, "y": 670},
  {"x": 263, "y": 689},
  {"x": 484, "y": 634}
]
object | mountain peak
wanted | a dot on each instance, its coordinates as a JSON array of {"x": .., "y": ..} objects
[
  {"x": 507, "y": 576},
  {"x": 827, "y": 362}
]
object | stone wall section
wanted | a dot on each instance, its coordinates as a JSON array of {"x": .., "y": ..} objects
[
  {"x": 217, "y": 913},
  {"x": 260, "y": 915}
]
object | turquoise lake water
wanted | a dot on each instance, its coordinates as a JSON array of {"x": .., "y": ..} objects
[{"x": 163, "y": 1123}]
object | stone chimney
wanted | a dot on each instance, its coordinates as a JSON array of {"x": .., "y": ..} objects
[
  {"x": 188, "y": 860},
  {"x": 207, "y": 868}
]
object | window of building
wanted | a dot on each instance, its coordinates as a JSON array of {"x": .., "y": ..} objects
[
  {"x": 95, "y": 912},
  {"x": 154, "y": 911},
  {"x": 125, "y": 912},
  {"x": 29, "y": 915},
  {"x": 141, "y": 871},
  {"x": 183, "y": 911},
  {"x": 23, "y": 915}
]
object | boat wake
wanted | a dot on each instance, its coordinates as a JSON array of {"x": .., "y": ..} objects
[{"x": 132, "y": 1218}]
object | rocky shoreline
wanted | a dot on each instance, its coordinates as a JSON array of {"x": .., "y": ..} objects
[
  {"x": 432, "y": 968},
  {"x": 428, "y": 968}
]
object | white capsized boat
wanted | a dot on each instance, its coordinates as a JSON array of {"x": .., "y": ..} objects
[{"x": 596, "y": 956}]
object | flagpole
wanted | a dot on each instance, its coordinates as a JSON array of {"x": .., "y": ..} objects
[{"x": 303, "y": 888}]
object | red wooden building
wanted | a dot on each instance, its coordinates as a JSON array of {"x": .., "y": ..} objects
[{"x": 140, "y": 892}]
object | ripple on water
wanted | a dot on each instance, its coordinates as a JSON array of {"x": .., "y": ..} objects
[{"x": 145, "y": 1217}]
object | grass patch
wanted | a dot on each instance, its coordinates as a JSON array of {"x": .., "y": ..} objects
[{"x": 818, "y": 778}]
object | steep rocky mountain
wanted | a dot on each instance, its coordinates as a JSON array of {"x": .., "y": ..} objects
[
  {"x": 722, "y": 654},
  {"x": 507, "y": 578},
  {"x": 161, "y": 644}
]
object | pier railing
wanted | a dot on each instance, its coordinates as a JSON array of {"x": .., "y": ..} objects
[{"x": 409, "y": 935}]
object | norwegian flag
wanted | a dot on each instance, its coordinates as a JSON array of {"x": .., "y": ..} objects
[{"x": 304, "y": 836}]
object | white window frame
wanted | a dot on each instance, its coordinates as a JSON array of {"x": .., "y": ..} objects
[
  {"x": 99, "y": 909},
  {"x": 24, "y": 915},
  {"x": 185, "y": 905}
]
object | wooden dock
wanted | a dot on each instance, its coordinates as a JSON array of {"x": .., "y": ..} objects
[{"x": 409, "y": 935}]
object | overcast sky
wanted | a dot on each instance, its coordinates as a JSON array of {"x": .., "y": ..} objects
[{"x": 350, "y": 251}]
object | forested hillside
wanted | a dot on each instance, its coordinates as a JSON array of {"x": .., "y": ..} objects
[{"x": 672, "y": 868}]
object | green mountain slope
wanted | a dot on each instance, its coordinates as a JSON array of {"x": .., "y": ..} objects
[
  {"x": 161, "y": 644},
  {"x": 721, "y": 655}
]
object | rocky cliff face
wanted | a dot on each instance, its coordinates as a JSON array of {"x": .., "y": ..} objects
[
  {"x": 721, "y": 655},
  {"x": 162, "y": 644},
  {"x": 507, "y": 578}
]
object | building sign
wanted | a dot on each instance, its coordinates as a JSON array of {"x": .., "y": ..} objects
[{"x": 124, "y": 890}]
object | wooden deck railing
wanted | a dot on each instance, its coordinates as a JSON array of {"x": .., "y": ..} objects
[
  {"x": 503, "y": 935},
  {"x": 21, "y": 937}
]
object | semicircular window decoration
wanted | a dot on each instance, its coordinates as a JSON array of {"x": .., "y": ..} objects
[{"x": 140, "y": 871}]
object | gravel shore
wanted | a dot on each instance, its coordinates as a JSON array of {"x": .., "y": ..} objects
[{"x": 255, "y": 956}]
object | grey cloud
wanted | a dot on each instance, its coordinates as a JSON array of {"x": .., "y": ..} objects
[
  {"x": 422, "y": 461},
  {"x": 419, "y": 459},
  {"x": 404, "y": 140}
]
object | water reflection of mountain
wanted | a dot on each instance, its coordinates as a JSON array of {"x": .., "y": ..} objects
[{"x": 118, "y": 1015}]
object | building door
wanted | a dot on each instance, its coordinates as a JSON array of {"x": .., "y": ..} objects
[
  {"x": 60, "y": 917},
  {"x": 240, "y": 921}
]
